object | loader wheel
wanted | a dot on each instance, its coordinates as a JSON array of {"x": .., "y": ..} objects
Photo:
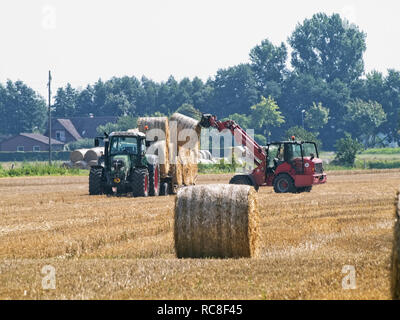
[
  {"x": 95, "y": 181},
  {"x": 304, "y": 189},
  {"x": 140, "y": 183},
  {"x": 283, "y": 184},
  {"x": 242, "y": 179},
  {"x": 154, "y": 180}
]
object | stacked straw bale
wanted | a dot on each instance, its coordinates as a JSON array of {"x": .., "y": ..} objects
[
  {"x": 187, "y": 156},
  {"x": 396, "y": 253},
  {"x": 161, "y": 143},
  {"x": 93, "y": 154},
  {"x": 78, "y": 155},
  {"x": 220, "y": 221}
]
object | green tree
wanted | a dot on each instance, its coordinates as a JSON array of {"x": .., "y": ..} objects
[
  {"x": 347, "y": 149},
  {"x": 364, "y": 118},
  {"x": 241, "y": 119},
  {"x": 268, "y": 63},
  {"x": 190, "y": 111},
  {"x": 234, "y": 90},
  {"x": 301, "y": 134},
  {"x": 317, "y": 116},
  {"x": 65, "y": 102},
  {"x": 265, "y": 115},
  {"x": 123, "y": 123},
  {"x": 24, "y": 110},
  {"x": 329, "y": 48}
]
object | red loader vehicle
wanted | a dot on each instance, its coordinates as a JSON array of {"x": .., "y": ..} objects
[{"x": 288, "y": 166}]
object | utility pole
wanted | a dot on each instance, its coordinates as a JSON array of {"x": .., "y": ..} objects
[
  {"x": 302, "y": 117},
  {"x": 49, "y": 85}
]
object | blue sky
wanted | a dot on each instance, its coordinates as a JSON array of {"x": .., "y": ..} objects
[{"x": 82, "y": 41}]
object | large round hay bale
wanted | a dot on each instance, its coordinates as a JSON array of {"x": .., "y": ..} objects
[
  {"x": 176, "y": 170},
  {"x": 216, "y": 221},
  {"x": 145, "y": 124},
  {"x": 184, "y": 123},
  {"x": 67, "y": 164},
  {"x": 93, "y": 154},
  {"x": 396, "y": 254},
  {"x": 161, "y": 147},
  {"x": 92, "y": 163},
  {"x": 80, "y": 165},
  {"x": 78, "y": 155}
]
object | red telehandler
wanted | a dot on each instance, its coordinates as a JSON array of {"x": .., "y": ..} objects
[{"x": 288, "y": 166}]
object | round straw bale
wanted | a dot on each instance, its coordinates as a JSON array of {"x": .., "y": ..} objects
[
  {"x": 160, "y": 149},
  {"x": 80, "y": 165},
  {"x": 160, "y": 123},
  {"x": 67, "y": 164},
  {"x": 185, "y": 122},
  {"x": 396, "y": 254},
  {"x": 78, "y": 155},
  {"x": 162, "y": 141},
  {"x": 176, "y": 170},
  {"x": 93, "y": 154},
  {"x": 92, "y": 163},
  {"x": 216, "y": 221}
]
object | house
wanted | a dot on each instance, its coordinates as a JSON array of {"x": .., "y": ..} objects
[
  {"x": 30, "y": 142},
  {"x": 76, "y": 128}
]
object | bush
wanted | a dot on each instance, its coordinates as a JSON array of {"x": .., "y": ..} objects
[
  {"x": 383, "y": 164},
  {"x": 6, "y": 156},
  {"x": 80, "y": 144},
  {"x": 39, "y": 170},
  {"x": 382, "y": 151},
  {"x": 347, "y": 149}
]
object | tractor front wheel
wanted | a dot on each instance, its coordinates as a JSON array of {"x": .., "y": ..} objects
[
  {"x": 140, "y": 183},
  {"x": 95, "y": 181},
  {"x": 283, "y": 184}
]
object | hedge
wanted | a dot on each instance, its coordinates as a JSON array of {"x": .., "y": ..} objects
[{"x": 33, "y": 156}]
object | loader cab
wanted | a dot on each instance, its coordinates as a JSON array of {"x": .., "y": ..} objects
[{"x": 294, "y": 153}]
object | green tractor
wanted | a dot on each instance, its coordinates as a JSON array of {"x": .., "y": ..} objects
[{"x": 125, "y": 168}]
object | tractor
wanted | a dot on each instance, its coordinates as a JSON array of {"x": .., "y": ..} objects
[
  {"x": 125, "y": 168},
  {"x": 288, "y": 166}
]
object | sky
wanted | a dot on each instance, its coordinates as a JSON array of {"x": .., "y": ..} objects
[{"x": 82, "y": 41}]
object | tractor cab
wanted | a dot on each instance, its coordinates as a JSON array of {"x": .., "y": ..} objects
[
  {"x": 297, "y": 159},
  {"x": 292, "y": 152}
]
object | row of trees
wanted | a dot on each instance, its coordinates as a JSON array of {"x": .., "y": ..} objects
[{"x": 324, "y": 91}]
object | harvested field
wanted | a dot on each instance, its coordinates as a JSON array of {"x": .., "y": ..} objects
[{"x": 123, "y": 248}]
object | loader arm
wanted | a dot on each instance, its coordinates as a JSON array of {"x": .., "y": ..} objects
[{"x": 241, "y": 137}]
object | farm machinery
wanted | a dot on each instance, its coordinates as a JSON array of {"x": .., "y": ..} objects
[
  {"x": 288, "y": 166},
  {"x": 126, "y": 168}
]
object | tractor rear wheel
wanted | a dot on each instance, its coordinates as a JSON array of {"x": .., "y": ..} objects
[
  {"x": 242, "y": 179},
  {"x": 140, "y": 183},
  {"x": 284, "y": 184},
  {"x": 154, "y": 179},
  {"x": 95, "y": 181}
]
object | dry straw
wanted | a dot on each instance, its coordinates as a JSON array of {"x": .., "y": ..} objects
[
  {"x": 187, "y": 156},
  {"x": 396, "y": 253},
  {"x": 145, "y": 125},
  {"x": 216, "y": 221}
]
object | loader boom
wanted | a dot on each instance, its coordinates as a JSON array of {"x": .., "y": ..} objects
[{"x": 241, "y": 137}]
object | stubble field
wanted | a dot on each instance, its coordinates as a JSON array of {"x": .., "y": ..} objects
[{"x": 122, "y": 248}]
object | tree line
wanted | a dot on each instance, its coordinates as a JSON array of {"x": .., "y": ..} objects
[{"x": 323, "y": 93}]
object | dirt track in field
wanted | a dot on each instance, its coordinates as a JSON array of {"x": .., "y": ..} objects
[{"x": 122, "y": 248}]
